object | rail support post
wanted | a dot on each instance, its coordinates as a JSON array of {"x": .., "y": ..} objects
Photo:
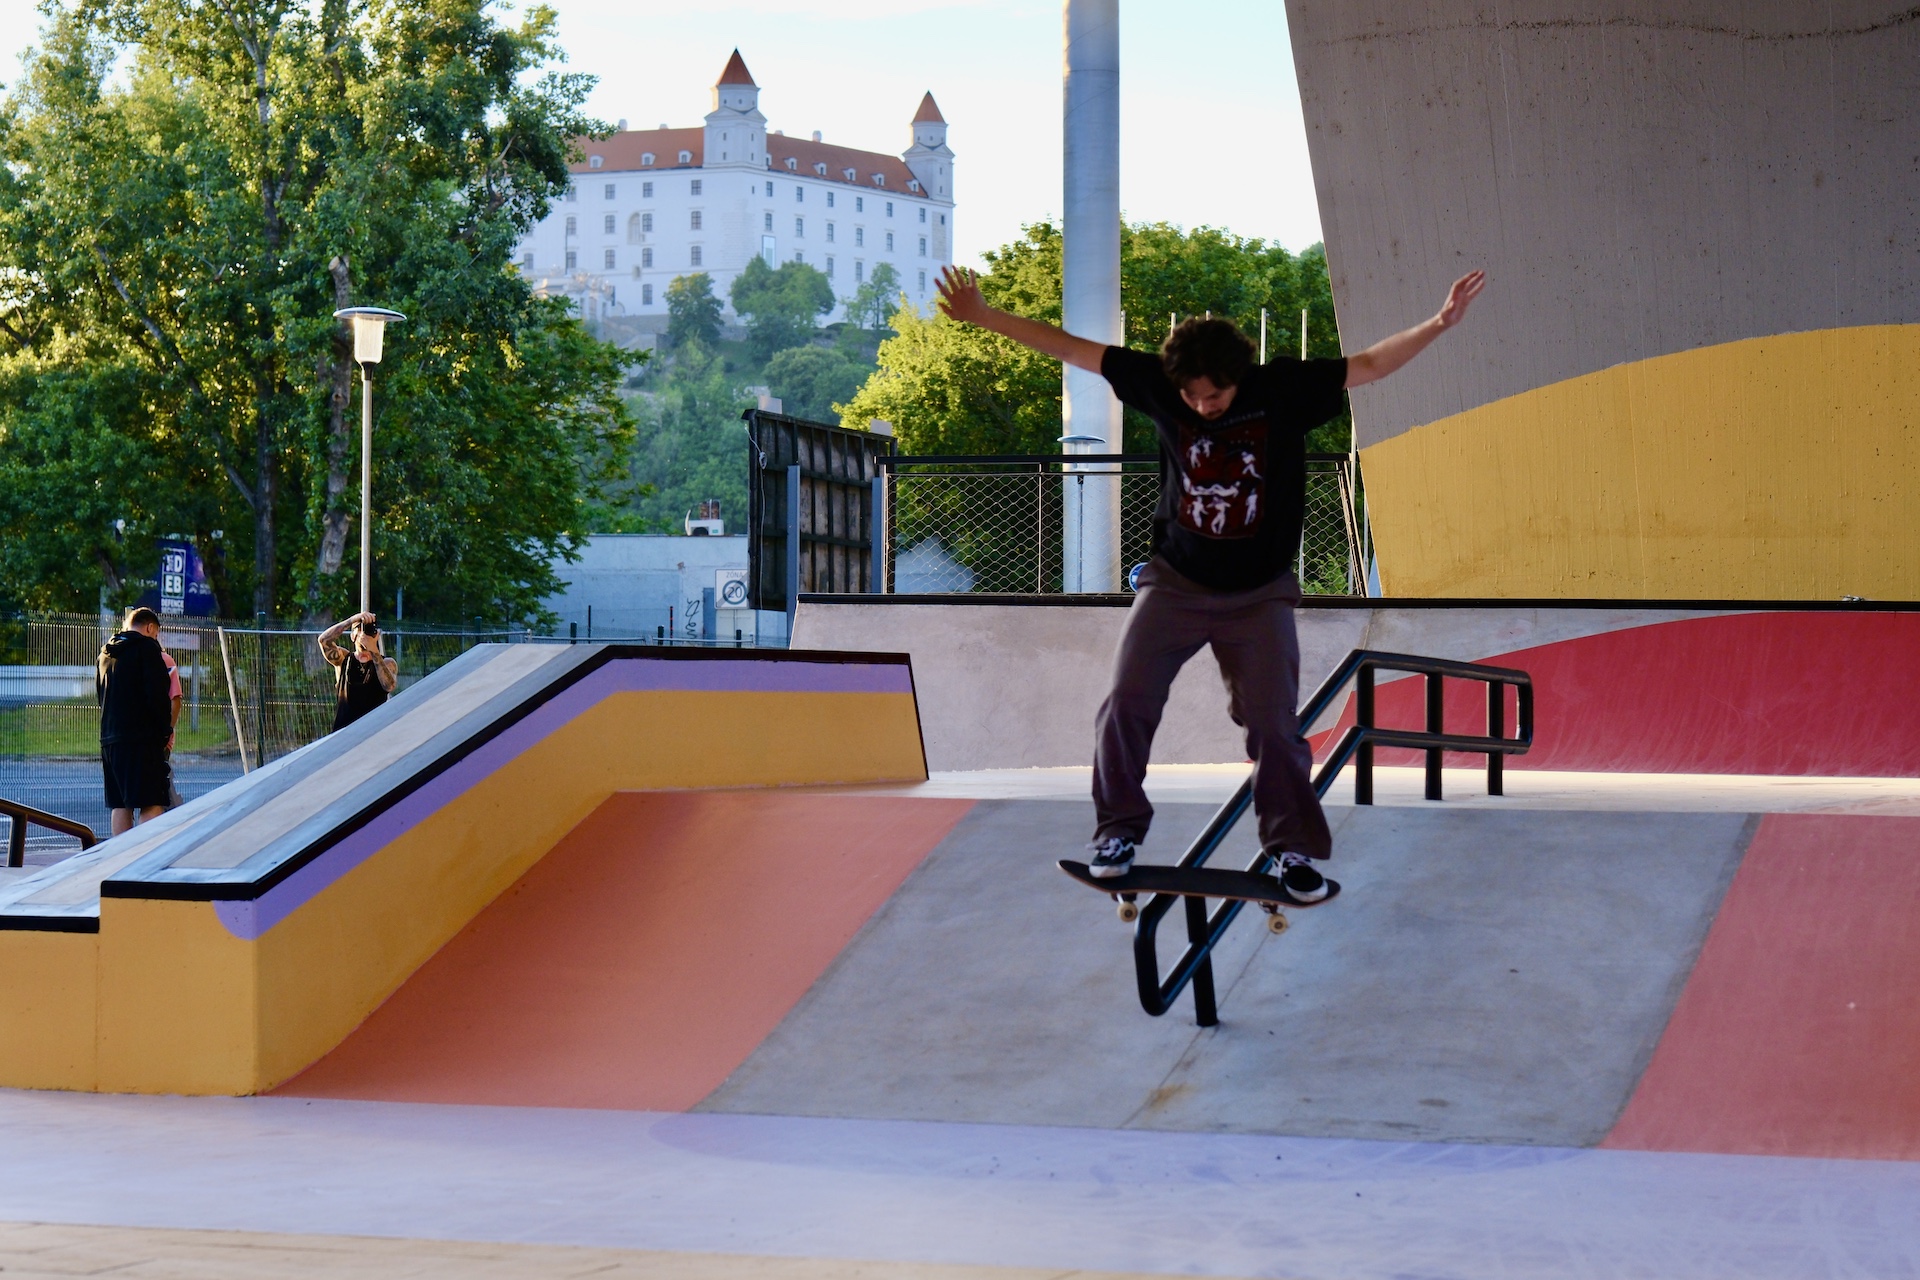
[
  {"x": 1205, "y": 1012},
  {"x": 1436, "y": 715},
  {"x": 1496, "y": 728},
  {"x": 1363, "y": 758}
]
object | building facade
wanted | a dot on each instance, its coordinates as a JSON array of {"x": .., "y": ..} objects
[{"x": 649, "y": 205}]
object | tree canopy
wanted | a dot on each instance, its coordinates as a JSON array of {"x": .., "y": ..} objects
[
  {"x": 873, "y": 303},
  {"x": 952, "y": 388},
  {"x": 190, "y": 188},
  {"x": 693, "y": 313},
  {"x": 781, "y": 306}
]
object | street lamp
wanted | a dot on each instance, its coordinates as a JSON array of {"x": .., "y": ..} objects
[{"x": 369, "y": 326}]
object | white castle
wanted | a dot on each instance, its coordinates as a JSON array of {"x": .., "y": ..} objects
[{"x": 648, "y": 205}]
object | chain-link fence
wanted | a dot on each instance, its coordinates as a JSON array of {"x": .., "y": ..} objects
[{"x": 997, "y": 524}]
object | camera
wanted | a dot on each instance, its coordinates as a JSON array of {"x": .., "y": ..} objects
[{"x": 369, "y": 628}]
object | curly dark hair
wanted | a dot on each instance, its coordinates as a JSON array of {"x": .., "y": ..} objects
[{"x": 1204, "y": 348}]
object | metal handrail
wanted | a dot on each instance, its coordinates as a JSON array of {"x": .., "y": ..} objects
[
  {"x": 22, "y": 814},
  {"x": 895, "y": 461},
  {"x": 1204, "y": 931}
]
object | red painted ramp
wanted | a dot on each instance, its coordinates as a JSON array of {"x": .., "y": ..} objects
[
  {"x": 644, "y": 958},
  {"x": 1798, "y": 1032},
  {"x": 1795, "y": 694}
]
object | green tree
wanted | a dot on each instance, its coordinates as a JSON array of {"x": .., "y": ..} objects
[
  {"x": 693, "y": 313},
  {"x": 189, "y": 191},
  {"x": 812, "y": 381},
  {"x": 692, "y": 446},
  {"x": 781, "y": 306},
  {"x": 951, "y": 388},
  {"x": 873, "y": 303}
]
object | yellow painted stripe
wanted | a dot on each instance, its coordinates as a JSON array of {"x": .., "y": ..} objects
[{"x": 1785, "y": 467}]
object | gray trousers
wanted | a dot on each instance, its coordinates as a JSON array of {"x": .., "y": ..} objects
[{"x": 1253, "y": 639}]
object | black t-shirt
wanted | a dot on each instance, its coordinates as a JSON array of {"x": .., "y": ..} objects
[
  {"x": 357, "y": 690},
  {"x": 1232, "y": 490}
]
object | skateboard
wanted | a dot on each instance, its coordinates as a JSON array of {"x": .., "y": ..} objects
[{"x": 1197, "y": 882}]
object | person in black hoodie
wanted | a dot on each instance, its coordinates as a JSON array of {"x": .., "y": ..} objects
[{"x": 136, "y": 720}]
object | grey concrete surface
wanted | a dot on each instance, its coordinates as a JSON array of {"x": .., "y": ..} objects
[
  {"x": 1016, "y": 686},
  {"x": 1485, "y": 977},
  {"x": 1639, "y": 177}
]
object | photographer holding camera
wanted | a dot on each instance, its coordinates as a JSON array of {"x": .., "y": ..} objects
[{"x": 366, "y": 675}]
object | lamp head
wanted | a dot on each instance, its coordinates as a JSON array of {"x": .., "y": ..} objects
[{"x": 369, "y": 326}]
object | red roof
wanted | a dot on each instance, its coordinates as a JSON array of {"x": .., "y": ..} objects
[
  {"x": 736, "y": 72},
  {"x": 928, "y": 112},
  {"x": 624, "y": 151}
]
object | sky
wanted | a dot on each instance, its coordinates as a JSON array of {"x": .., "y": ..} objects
[{"x": 1211, "y": 129}]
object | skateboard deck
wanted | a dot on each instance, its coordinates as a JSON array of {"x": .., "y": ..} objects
[{"x": 1196, "y": 882}]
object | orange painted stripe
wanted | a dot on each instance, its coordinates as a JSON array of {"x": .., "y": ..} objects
[
  {"x": 641, "y": 961},
  {"x": 1798, "y": 1032}
]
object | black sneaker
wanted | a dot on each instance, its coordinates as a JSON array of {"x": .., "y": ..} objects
[
  {"x": 1299, "y": 878},
  {"x": 1111, "y": 857}
]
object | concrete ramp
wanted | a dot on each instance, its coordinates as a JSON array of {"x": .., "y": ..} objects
[
  {"x": 642, "y": 960},
  {"x": 1487, "y": 976}
]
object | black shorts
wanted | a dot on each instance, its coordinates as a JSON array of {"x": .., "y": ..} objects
[{"x": 137, "y": 773}]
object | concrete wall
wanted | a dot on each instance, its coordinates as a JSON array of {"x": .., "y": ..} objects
[
  {"x": 1641, "y": 178},
  {"x": 1017, "y": 686}
]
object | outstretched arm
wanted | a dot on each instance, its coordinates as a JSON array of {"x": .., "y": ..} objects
[
  {"x": 1389, "y": 354},
  {"x": 960, "y": 299}
]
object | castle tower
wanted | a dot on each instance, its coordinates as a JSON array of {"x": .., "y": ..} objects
[
  {"x": 736, "y": 132},
  {"x": 929, "y": 158}
]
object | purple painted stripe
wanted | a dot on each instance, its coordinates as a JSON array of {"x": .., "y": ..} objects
[{"x": 250, "y": 919}]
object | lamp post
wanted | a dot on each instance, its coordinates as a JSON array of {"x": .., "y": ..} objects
[{"x": 369, "y": 326}]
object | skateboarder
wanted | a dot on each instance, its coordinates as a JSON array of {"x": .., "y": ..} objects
[{"x": 1225, "y": 536}]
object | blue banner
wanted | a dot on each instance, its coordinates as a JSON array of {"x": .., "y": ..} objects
[{"x": 180, "y": 586}]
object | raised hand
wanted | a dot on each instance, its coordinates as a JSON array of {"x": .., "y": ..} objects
[
  {"x": 1464, "y": 291},
  {"x": 960, "y": 295}
]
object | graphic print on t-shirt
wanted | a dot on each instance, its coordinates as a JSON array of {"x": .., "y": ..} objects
[{"x": 1222, "y": 479}]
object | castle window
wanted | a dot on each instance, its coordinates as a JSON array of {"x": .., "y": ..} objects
[
  {"x": 829, "y": 199},
  {"x": 849, "y": 174},
  {"x": 693, "y": 220},
  {"x": 570, "y": 193},
  {"x": 799, "y": 228},
  {"x": 889, "y": 208},
  {"x": 646, "y": 191},
  {"x": 769, "y": 191},
  {"x": 799, "y": 256},
  {"x": 829, "y": 233},
  {"x": 859, "y": 237},
  {"x": 923, "y": 246},
  {"x": 696, "y": 187},
  {"x": 594, "y": 162},
  {"x": 573, "y": 225},
  {"x": 879, "y": 179},
  {"x": 609, "y": 191},
  {"x": 766, "y": 223},
  {"x": 646, "y": 295},
  {"x": 696, "y": 255},
  {"x": 686, "y": 157},
  {"x": 889, "y": 242},
  {"x": 646, "y": 222},
  {"x": 607, "y": 262},
  {"x": 606, "y": 227},
  {"x": 573, "y": 259},
  {"x": 923, "y": 282},
  {"x": 646, "y": 158},
  {"x": 943, "y": 219},
  {"x": 913, "y": 184},
  {"x": 793, "y": 165},
  {"x": 526, "y": 260},
  {"x": 829, "y": 266},
  {"x": 821, "y": 168},
  {"x": 767, "y": 250},
  {"x": 859, "y": 204},
  {"x": 646, "y": 256},
  {"x": 859, "y": 271},
  {"x": 923, "y": 213}
]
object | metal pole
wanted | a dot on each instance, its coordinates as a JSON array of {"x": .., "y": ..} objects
[
  {"x": 1303, "y": 333},
  {"x": 793, "y": 548},
  {"x": 366, "y": 490},
  {"x": 1090, "y": 286},
  {"x": 1263, "y": 335}
]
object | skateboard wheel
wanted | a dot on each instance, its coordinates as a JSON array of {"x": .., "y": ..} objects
[
  {"x": 1128, "y": 911},
  {"x": 1276, "y": 923}
]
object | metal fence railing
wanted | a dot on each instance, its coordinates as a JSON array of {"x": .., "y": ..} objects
[{"x": 995, "y": 524}]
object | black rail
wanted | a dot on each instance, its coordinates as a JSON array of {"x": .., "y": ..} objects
[
  {"x": 22, "y": 814},
  {"x": 1356, "y": 746}
]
